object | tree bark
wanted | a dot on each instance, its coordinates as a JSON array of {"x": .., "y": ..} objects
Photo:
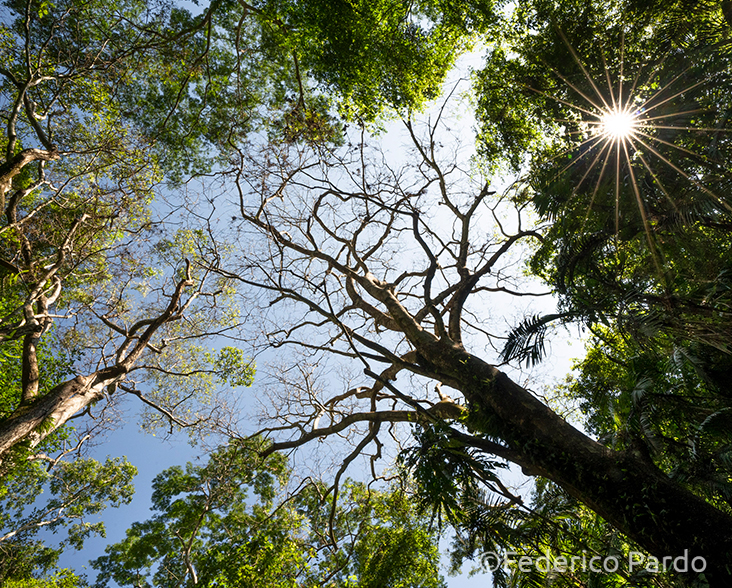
[
  {"x": 36, "y": 418},
  {"x": 40, "y": 418},
  {"x": 628, "y": 491},
  {"x": 14, "y": 166}
]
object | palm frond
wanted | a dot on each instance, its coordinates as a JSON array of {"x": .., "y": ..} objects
[{"x": 526, "y": 342}]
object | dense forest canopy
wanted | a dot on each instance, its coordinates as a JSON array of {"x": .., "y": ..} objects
[{"x": 183, "y": 187}]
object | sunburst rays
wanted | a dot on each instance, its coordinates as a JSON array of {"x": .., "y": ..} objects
[{"x": 628, "y": 126}]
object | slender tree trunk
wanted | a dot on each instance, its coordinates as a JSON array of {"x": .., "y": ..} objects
[{"x": 30, "y": 378}]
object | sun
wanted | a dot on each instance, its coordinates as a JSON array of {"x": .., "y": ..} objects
[
  {"x": 627, "y": 130},
  {"x": 618, "y": 124},
  {"x": 619, "y": 128}
]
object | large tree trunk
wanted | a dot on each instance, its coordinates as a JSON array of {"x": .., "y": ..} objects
[
  {"x": 627, "y": 490},
  {"x": 421, "y": 309}
]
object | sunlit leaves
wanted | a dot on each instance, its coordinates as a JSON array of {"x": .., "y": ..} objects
[
  {"x": 79, "y": 490},
  {"x": 62, "y": 579},
  {"x": 207, "y": 524},
  {"x": 233, "y": 367},
  {"x": 374, "y": 54}
]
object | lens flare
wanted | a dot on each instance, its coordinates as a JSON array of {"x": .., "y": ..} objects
[{"x": 614, "y": 133}]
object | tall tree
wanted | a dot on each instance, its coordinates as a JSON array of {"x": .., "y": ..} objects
[
  {"x": 393, "y": 267},
  {"x": 76, "y": 186},
  {"x": 207, "y": 531}
]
